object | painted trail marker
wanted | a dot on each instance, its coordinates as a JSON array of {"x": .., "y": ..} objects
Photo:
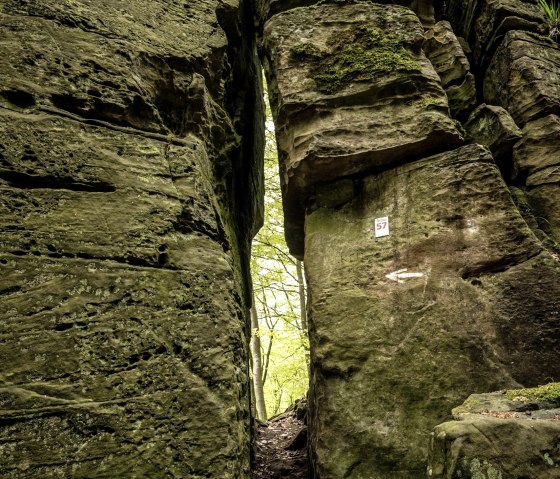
[
  {"x": 381, "y": 227},
  {"x": 400, "y": 275}
]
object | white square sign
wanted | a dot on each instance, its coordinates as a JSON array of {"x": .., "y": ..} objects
[{"x": 381, "y": 227}]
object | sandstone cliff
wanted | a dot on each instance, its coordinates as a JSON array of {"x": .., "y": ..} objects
[
  {"x": 130, "y": 168},
  {"x": 376, "y": 113},
  {"x": 130, "y": 159}
]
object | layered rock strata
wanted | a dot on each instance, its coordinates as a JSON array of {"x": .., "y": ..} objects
[
  {"x": 449, "y": 59},
  {"x": 519, "y": 68},
  {"x": 129, "y": 151},
  {"x": 352, "y": 91},
  {"x": 462, "y": 295}
]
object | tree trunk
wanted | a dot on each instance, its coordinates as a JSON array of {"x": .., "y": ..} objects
[
  {"x": 303, "y": 306},
  {"x": 257, "y": 365}
]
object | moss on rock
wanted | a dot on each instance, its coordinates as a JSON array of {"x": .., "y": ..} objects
[
  {"x": 358, "y": 55},
  {"x": 549, "y": 392},
  {"x": 307, "y": 50}
]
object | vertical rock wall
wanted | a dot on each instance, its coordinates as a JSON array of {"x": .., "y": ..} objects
[
  {"x": 463, "y": 295},
  {"x": 129, "y": 149}
]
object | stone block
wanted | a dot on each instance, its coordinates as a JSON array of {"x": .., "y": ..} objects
[
  {"x": 445, "y": 52},
  {"x": 524, "y": 77},
  {"x": 537, "y": 167},
  {"x": 484, "y": 22},
  {"x": 493, "y": 126},
  {"x": 351, "y": 92},
  {"x": 494, "y": 438},
  {"x": 459, "y": 298}
]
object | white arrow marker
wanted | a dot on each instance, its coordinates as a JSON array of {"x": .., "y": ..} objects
[{"x": 400, "y": 275}]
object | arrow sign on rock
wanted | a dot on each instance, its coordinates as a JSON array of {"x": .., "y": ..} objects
[{"x": 400, "y": 275}]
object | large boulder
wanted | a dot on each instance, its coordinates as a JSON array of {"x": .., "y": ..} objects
[
  {"x": 499, "y": 435},
  {"x": 524, "y": 77},
  {"x": 351, "y": 91},
  {"x": 459, "y": 298},
  {"x": 128, "y": 140}
]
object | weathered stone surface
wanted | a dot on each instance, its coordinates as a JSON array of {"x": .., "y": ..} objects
[
  {"x": 462, "y": 97},
  {"x": 450, "y": 62},
  {"x": 537, "y": 155},
  {"x": 129, "y": 135},
  {"x": 424, "y": 9},
  {"x": 351, "y": 91},
  {"x": 390, "y": 359},
  {"x": 493, "y": 126},
  {"x": 537, "y": 166},
  {"x": 446, "y": 53},
  {"x": 495, "y": 437},
  {"x": 524, "y": 77},
  {"x": 484, "y": 22}
]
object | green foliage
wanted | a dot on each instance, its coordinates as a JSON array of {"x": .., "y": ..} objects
[
  {"x": 549, "y": 392},
  {"x": 276, "y": 291},
  {"x": 359, "y": 54},
  {"x": 551, "y": 9}
]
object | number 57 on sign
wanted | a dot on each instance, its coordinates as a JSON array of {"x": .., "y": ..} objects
[{"x": 381, "y": 227}]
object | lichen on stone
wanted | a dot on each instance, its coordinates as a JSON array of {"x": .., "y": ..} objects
[
  {"x": 476, "y": 469},
  {"x": 357, "y": 55}
]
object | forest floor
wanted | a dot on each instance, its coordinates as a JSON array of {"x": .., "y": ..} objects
[{"x": 280, "y": 448}]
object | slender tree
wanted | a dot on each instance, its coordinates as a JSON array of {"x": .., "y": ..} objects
[{"x": 257, "y": 365}]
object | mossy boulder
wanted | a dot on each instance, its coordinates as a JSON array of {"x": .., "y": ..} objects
[
  {"x": 501, "y": 435},
  {"x": 351, "y": 91}
]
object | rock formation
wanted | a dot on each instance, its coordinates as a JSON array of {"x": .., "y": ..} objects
[
  {"x": 130, "y": 159},
  {"x": 462, "y": 295},
  {"x": 521, "y": 427},
  {"x": 130, "y": 167}
]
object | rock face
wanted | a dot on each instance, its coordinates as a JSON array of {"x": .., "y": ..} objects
[
  {"x": 352, "y": 91},
  {"x": 445, "y": 52},
  {"x": 483, "y": 22},
  {"x": 127, "y": 144},
  {"x": 130, "y": 177},
  {"x": 537, "y": 165},
  {"x": 493, "y": 126},
  {"x": 396, "y": 353},
  {"x": 522, "y": 60},
  {"x": 462, "y": 296},
  {"x": 523, "y": 434}
]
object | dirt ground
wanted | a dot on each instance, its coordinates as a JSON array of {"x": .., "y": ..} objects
[{"x": 280, "y": 448}]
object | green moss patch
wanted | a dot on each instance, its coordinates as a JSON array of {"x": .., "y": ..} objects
[
  {"x": 549, "y": 393},
  {"x": 356, "y": 55},
  {"x": 307, "y": 50}
]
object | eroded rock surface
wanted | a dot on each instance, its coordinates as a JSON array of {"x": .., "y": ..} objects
[
  {"x": 524, "y": 77},
  {"x": 351, "y": 91},
  {"x": 522, "y": 434},
  {"x": 484, "y": 22},
  {"x": 493, "y": 126},
  {"x": 129, "y": 135},
  {"x": 395, "y": 352},
  {"x": 448, "y": 57}
]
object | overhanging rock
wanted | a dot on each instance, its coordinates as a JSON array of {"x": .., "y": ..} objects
[{"x": 351, "y": 92}]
